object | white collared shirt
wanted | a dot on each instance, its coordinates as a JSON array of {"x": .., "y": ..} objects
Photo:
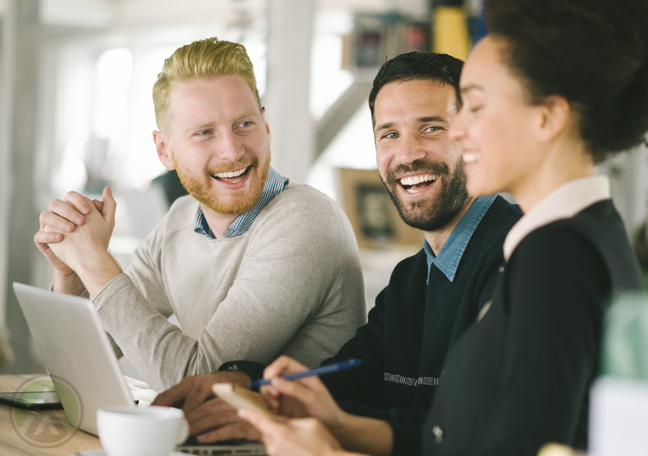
[{"x": 564, "y": 202}]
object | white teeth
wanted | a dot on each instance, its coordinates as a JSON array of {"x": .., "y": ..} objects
[
  {"x": 469, "y": 157},
  {"x": 414, "y": 190},
  {"x": 418, "y": 179},
  {"x": 231, "y": 173}
]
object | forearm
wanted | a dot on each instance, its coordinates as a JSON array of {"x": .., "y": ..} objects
[
  {"x": 67, "y": 283},
  {"x": 164, "y": 354},
  {"x": 364, "y": 435},
  {"x": 158, "y": 349},
  {"x": 96, "y": 274}
]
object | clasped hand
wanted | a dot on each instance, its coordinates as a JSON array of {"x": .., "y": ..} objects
[{"x": 74, "y": 236}]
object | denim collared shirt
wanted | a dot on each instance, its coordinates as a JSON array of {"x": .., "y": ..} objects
[
  {"x": 449, "y": 257},
  {"x": 274, "y": 185}
]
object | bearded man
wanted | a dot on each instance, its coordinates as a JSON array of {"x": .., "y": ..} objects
[
  {"x": 433, "y": 296},
  {"x": 253, "y": 266}
]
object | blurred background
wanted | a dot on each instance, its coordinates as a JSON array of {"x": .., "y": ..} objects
[{"x": 76, "y": 114}]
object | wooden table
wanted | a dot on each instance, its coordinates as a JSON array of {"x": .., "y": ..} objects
[{"x": 14, "y": 439}]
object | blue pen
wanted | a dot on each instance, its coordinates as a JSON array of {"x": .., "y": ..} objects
[{"x": 328, "y": 369}]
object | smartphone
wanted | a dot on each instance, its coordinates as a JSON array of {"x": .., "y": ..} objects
[
  {"x": 32, "y": 400},
  {"x": 241, "y": 398}
]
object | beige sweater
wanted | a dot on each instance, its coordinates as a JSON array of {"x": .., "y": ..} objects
[{"x": 291, "y": 285}]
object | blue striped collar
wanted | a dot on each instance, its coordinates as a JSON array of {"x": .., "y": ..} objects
[
  {"x": 275, "y": 184},
  {"x": 449, "y": 257}
]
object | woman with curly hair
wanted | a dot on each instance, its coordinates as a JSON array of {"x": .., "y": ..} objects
[{"x": 554, "y": 89}]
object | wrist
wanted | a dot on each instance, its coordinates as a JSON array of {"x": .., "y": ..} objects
[
  {"x": 98, "y": 271},
  {"x": 366, "y": 435},
  {"x": 251, "y": 369},
  {"x": 67, "y": 282},
  {"x": 239, "y": 378},
  {"x": 95, "y": 262},
  {"x": 340, "y": 424}
]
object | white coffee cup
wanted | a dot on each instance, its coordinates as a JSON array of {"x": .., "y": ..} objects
[{"x": 141, "y": 431}]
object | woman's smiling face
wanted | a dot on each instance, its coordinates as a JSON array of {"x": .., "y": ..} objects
[{"x": 496, "y": 126}]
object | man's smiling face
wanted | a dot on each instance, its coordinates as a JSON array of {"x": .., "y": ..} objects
[
  {"x": 421, "y": 168},
  {"x": 219, "y": 142}
]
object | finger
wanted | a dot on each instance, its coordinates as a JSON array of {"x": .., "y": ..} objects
[
  {"x": 215, "y": 411},
  {"x": 239, "y": 430},
  {"x": 283, "y": 365},
  {"x": 98, "y": 204},
  {"x": 312, "y": 382},
  {"x": 271, "y": 396},
  {"x": 79, "y": 202},
  {"x": 295, "y": 390},
  {"x": 268, "y": 390},
  {"x": 42, "y": 238},
  {"x": 215, "y": 421},
  {"x": 109, "y": 205},
  {"x": 265, "y": 425},
  {"x": 200, "y": 392},
  {"x": 53, "y": 220},
  {"x": 176, "y": 393}
]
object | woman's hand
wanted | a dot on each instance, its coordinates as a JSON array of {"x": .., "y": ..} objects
[
  {"x": 293, "y": 437},
  {"x": 306, "y": 397}
]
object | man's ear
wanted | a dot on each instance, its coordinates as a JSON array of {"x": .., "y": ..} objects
[
  {"x": 263, "y": 111},
  {"x": 556, "y": 117},
  {"x": 163, "y": 149}
]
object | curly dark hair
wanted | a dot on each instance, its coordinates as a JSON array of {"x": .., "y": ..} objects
[
  {"x": 414, "y": 66},
  {"x": 594, "y": 53}
]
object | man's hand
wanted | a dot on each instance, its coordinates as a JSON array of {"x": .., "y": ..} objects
[
  {"x": 64, "y": 216},
  {"x": 210, "y": 418},
  {"x": 85, "y": 248}
]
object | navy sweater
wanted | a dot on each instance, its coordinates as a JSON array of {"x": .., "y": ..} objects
[{"x": 413, "y": 325}]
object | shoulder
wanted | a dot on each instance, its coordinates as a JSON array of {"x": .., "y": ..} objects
[
  {"x": 597, "y": 228},
  {"x": 556, "y": 270},
  {"x": 487, "y": 240},
  {"x": 302, "y": 197},
  {"x": 181, "y": 214},
  {"x": 179, "y": 218},
  {"x": 500, "y": 218},
  {"x": 410, "y": 272},
  {"x": 557, "y": 255},
  {"x": 557, "y": 242},
  {"x": 594, "y": 236},
  {"x": 301, "y": 207}
]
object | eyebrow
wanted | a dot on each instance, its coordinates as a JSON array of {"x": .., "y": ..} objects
[
  {"x": 470, "y": 87},
  {"x": 198, "y": 127},
  {"x": 419, "y": 120},
  {"x": 211, "y": 124}
]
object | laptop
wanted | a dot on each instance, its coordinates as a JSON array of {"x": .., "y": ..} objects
[{"x": 80, "y": 360}]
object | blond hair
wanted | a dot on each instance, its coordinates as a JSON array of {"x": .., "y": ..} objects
[{"x": 203, "y": 59}]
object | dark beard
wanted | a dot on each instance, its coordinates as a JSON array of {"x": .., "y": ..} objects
[{"x": 430, "y": 214}]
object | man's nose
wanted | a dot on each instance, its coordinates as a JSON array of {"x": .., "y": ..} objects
[
  {"x": 229, "y": 147},
  {"x": 410, "y": 149}
]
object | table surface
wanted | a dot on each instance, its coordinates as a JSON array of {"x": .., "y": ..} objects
[{"x": 15, "y": 438}]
